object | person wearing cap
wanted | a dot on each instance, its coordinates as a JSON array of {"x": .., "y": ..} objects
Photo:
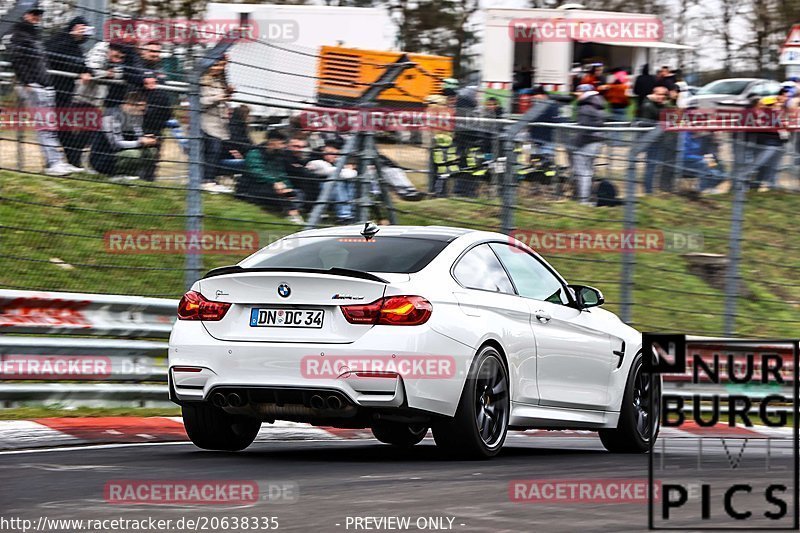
[
  {"x": 591, "y": 113},
  {"x": 29, "y": 63},
  {"x": 64, "y": 54},
  {"x": 768, "y": 149}
]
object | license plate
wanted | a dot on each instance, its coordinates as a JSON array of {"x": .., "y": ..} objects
[{"x": 286, "y": 318}]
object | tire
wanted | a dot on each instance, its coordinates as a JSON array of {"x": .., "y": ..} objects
[
  {"x": 400, "y": 435},
  {"x": 212, "y": 428},
  {"x": 479, "y": 427},
  {"x": 638, "y": 413}
]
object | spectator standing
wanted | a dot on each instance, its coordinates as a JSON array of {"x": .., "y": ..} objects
[
  {"x": 769, "y": 143},
  {"x": 65, "y": 54},
  {"x": 215, "y": 94},
  {"x": 34, "y": 87},
  {"x": 591, "y": 112},
  {"x": 665, "y": 78},
  {"x": 121, "y": 147},
  {"x": 542, "y": 136},
  {"x": 115, "y": 73},
  {"x": 643, "y": 87},
  {"x": 649, "y": 115},
  {"x": 240, "y": 142},
  {"x": 594, "y": 77},
  {"x": 616, "y": 94},
  {"x": 159, "y": 101},
  {"x": 107, "y": 64}
]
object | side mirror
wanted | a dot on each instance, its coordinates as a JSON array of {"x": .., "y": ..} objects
[{"x": 587, "y": 296}]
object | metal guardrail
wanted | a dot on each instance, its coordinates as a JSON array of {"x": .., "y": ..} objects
[
  {"x": 71, "y": 346},
  {"x": 124, "y": 338}
]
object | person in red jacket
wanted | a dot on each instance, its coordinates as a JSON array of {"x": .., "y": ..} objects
[{"x": 616, "y": 94}]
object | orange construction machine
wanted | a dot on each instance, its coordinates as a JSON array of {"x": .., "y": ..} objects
[{"x": 346, "y": 73}]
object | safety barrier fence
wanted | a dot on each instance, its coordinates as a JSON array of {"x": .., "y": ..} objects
[{"x": 66, "y": 348}]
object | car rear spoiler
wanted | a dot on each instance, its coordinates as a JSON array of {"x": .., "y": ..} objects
[{"x": 345, "y": 272}]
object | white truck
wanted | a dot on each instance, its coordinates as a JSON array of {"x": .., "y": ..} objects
[
  {"x": 550, "y": 62},
  {"x": 279, "y": 70}
]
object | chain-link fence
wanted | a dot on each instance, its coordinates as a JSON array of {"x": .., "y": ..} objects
[{"x": 163, "y": 165}]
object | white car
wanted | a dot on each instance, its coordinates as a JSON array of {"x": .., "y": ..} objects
[{"x": 401, "y": 329}]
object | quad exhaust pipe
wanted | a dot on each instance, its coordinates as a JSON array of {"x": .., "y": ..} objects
[
  {"x": 331, "y": 402},
  {"x": 232, "y": 399},
  {"x": 219, "y": 400},
  {"x": 334, "y": 402},
  {"x": 235, "y": 400},
  {"x": 317, "y": 402},
  {"x": 239, "y": 399}
]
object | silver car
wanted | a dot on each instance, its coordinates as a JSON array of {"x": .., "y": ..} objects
[{"x": 732, "y": 92}]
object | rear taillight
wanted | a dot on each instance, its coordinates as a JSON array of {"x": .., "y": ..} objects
[
  {"x": 194, "y": 307},
  {"x": 390, "y": 311}
]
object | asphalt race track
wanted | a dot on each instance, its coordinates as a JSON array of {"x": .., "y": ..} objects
[{"x": 337, "y": 481}]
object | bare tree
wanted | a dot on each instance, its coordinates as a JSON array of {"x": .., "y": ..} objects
[{"x": 721, "y": 18}]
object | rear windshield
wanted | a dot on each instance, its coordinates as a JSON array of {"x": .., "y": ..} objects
[{"x": 381, "y": 254}]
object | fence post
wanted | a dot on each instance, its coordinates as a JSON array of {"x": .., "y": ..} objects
[
  {"x": 21, "y": 149},
  {"x": 194, "y": 199},
  {"x": 739, "y": 183},
  {"x": 629, "y": 225},
  {"x": 629, "y": 221},
  {"x": 509, "y": 182},
  {"x": 508, "y": 187}
]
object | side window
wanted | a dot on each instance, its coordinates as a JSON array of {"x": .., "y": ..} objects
[
  {"x": 532, "y": 278},
  {"x": 771, "y": 88},
  {"x": 480, "y": 269}
]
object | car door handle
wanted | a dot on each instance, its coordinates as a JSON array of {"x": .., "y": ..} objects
[{"x": 542, "y": 317}]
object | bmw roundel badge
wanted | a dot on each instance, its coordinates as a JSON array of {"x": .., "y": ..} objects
[{"x": 284, "y": 291}]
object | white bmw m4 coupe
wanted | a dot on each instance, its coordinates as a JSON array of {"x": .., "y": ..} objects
[{"x": 402, "y": 329}]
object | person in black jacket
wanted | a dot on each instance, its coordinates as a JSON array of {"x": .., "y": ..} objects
[
  {"x": 643, "y": 86},
  {"x": 131, "y": 71},
  {"x": 64, "y": 53},
  {"x": 29, "y": 63},
  {"x": 159, "y": 101},
  {"x": 650, "y": 115},
  {"x": 592, "y": 113},
  {"x": 542, "y": 136}
]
